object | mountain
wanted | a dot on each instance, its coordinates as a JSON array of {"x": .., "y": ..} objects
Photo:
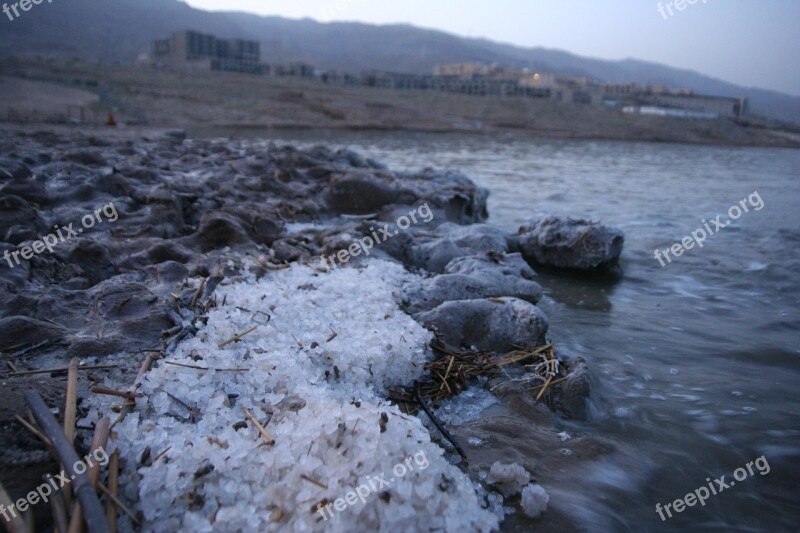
[{"x": 121, "y": 30}]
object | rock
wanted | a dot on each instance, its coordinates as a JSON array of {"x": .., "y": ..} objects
[
  {"x": 29, "y": 189},
  {"x": 13, "y": 169},
  {"x": 476, "y": 277},
  {"x": 218, "y": 230},
  {"x": 573, "y": 393},
  {"x": 570, "y": 243},
  {"x": 23, "y": 331},
  {"x": 94, "y": 260},
  {"x": 176, "y": 135},
  {"x": 90, "y": 158},
  {"x": 450, "y": 241},
  {"x": 493, "y": 325},
  {"x": 456, "y": 198},
  {"x": 360, "y": 192}
]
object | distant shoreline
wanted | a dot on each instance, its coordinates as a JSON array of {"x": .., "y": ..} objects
[{"x": 52, "y": 92}]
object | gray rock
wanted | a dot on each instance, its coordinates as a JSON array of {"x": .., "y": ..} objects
[
  {"x": 476, "y": 277},
  {"x": 13, "y": 169},
  {"x": 573, "y": 393},
  {"x": 450, "y": 241},
  {"x": 360, "y": 191},
  {"x": 495, "y": 325},
  {"x": 570, "y": 243}
]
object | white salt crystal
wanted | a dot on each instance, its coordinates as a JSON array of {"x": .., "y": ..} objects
[
  {"x": 534, "y": 500},
  {"x": 509, "y": 478}
]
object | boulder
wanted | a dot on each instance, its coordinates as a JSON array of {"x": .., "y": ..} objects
[
  {"x": 476, "y": 277},
  {"x": 452, "y": 241},
  {"x": 569, "y": 243},
  {"x": 360, "y": 191},
  {"x": 493, "y": 325}
]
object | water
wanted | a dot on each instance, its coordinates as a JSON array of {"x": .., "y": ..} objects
[{"x": 696, "y": 365}]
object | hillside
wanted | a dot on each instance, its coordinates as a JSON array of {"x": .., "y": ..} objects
[{"x": 119, "y": 31}]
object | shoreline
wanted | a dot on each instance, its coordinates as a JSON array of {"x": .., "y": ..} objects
[{"x": 182, "y": 282}]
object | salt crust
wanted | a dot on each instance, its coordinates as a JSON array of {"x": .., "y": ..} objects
[{"x": 290, "y": 362}]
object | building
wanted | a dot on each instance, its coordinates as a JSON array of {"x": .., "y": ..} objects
[
  {"x": 460, "y": 69},
  {"x": 191, "y": 50},
  {"x": 720, "y": 106}
]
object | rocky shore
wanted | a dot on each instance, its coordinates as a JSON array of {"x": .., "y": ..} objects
[{"x": 205, "y": 259}]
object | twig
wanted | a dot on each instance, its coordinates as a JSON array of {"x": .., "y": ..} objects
[
  {"x": 554, "y": 382},
  {"x": 269, "y": 440},
  {"x": 65, "y": 453},
  {"x": 99, "y": 442},
  {"x": 544, "y": 388},
  {"x": 198, "y": 293},
  {"x": 119, "y": 504},
  {"x": 129, "y": 404},
  {"x": 59, "y": 509},
  {"x": 113, "y": 488},
  {"x": 195, "y": 367},
  {"x": 438, "y": 424},
  {"x": 16, "y": 524},
  {"x": 120, "y": 394},
  {"x": 33, "y": 430},
  {"x": 70, "y": 411},
  {"x": 236, "y": 337},
  {"x": 162, "y": 454},
  {"x": 53, "y": 370},
  {"x": 314, "y": 481}
]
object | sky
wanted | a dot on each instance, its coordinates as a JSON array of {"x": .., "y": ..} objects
[{"x": 753, "y": 43}]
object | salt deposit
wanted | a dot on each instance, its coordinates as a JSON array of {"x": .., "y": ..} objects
[
  {"x": 318, "y": 395},
  {"x": 508, "y": 478},
  {"x": 534, "y": 500}
]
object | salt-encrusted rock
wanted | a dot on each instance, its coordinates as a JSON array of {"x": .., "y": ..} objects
[
  {"x": 15, "y": 211},
  {"x": 450, "y": 241},
  {"x": 218, "y": 230},
  {"x": 24, "y": 331},
  {"x": 534, "y": 500},
  {"x": 496, "y": 324},
  {"x": 13, "y": 169},
  {"x": 29, "y": 189},
  {"x": 569, "y": 243},
  {"x": 361, "y": 191},
  {"x": 574, "y": 391},
  {"x": 508, "y": 478},
  {"x": 458, "y": 198},
  {"x": 91, "y": 158},
  {"x": 479, "y": 276}
]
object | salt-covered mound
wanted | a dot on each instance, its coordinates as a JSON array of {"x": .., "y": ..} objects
[{"x": 319, "y": 397}]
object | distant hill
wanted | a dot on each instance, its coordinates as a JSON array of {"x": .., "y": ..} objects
[{"x": 121, "y": 30}]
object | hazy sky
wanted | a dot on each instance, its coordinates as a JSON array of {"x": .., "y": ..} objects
[{"x": 748, "y": 42}]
